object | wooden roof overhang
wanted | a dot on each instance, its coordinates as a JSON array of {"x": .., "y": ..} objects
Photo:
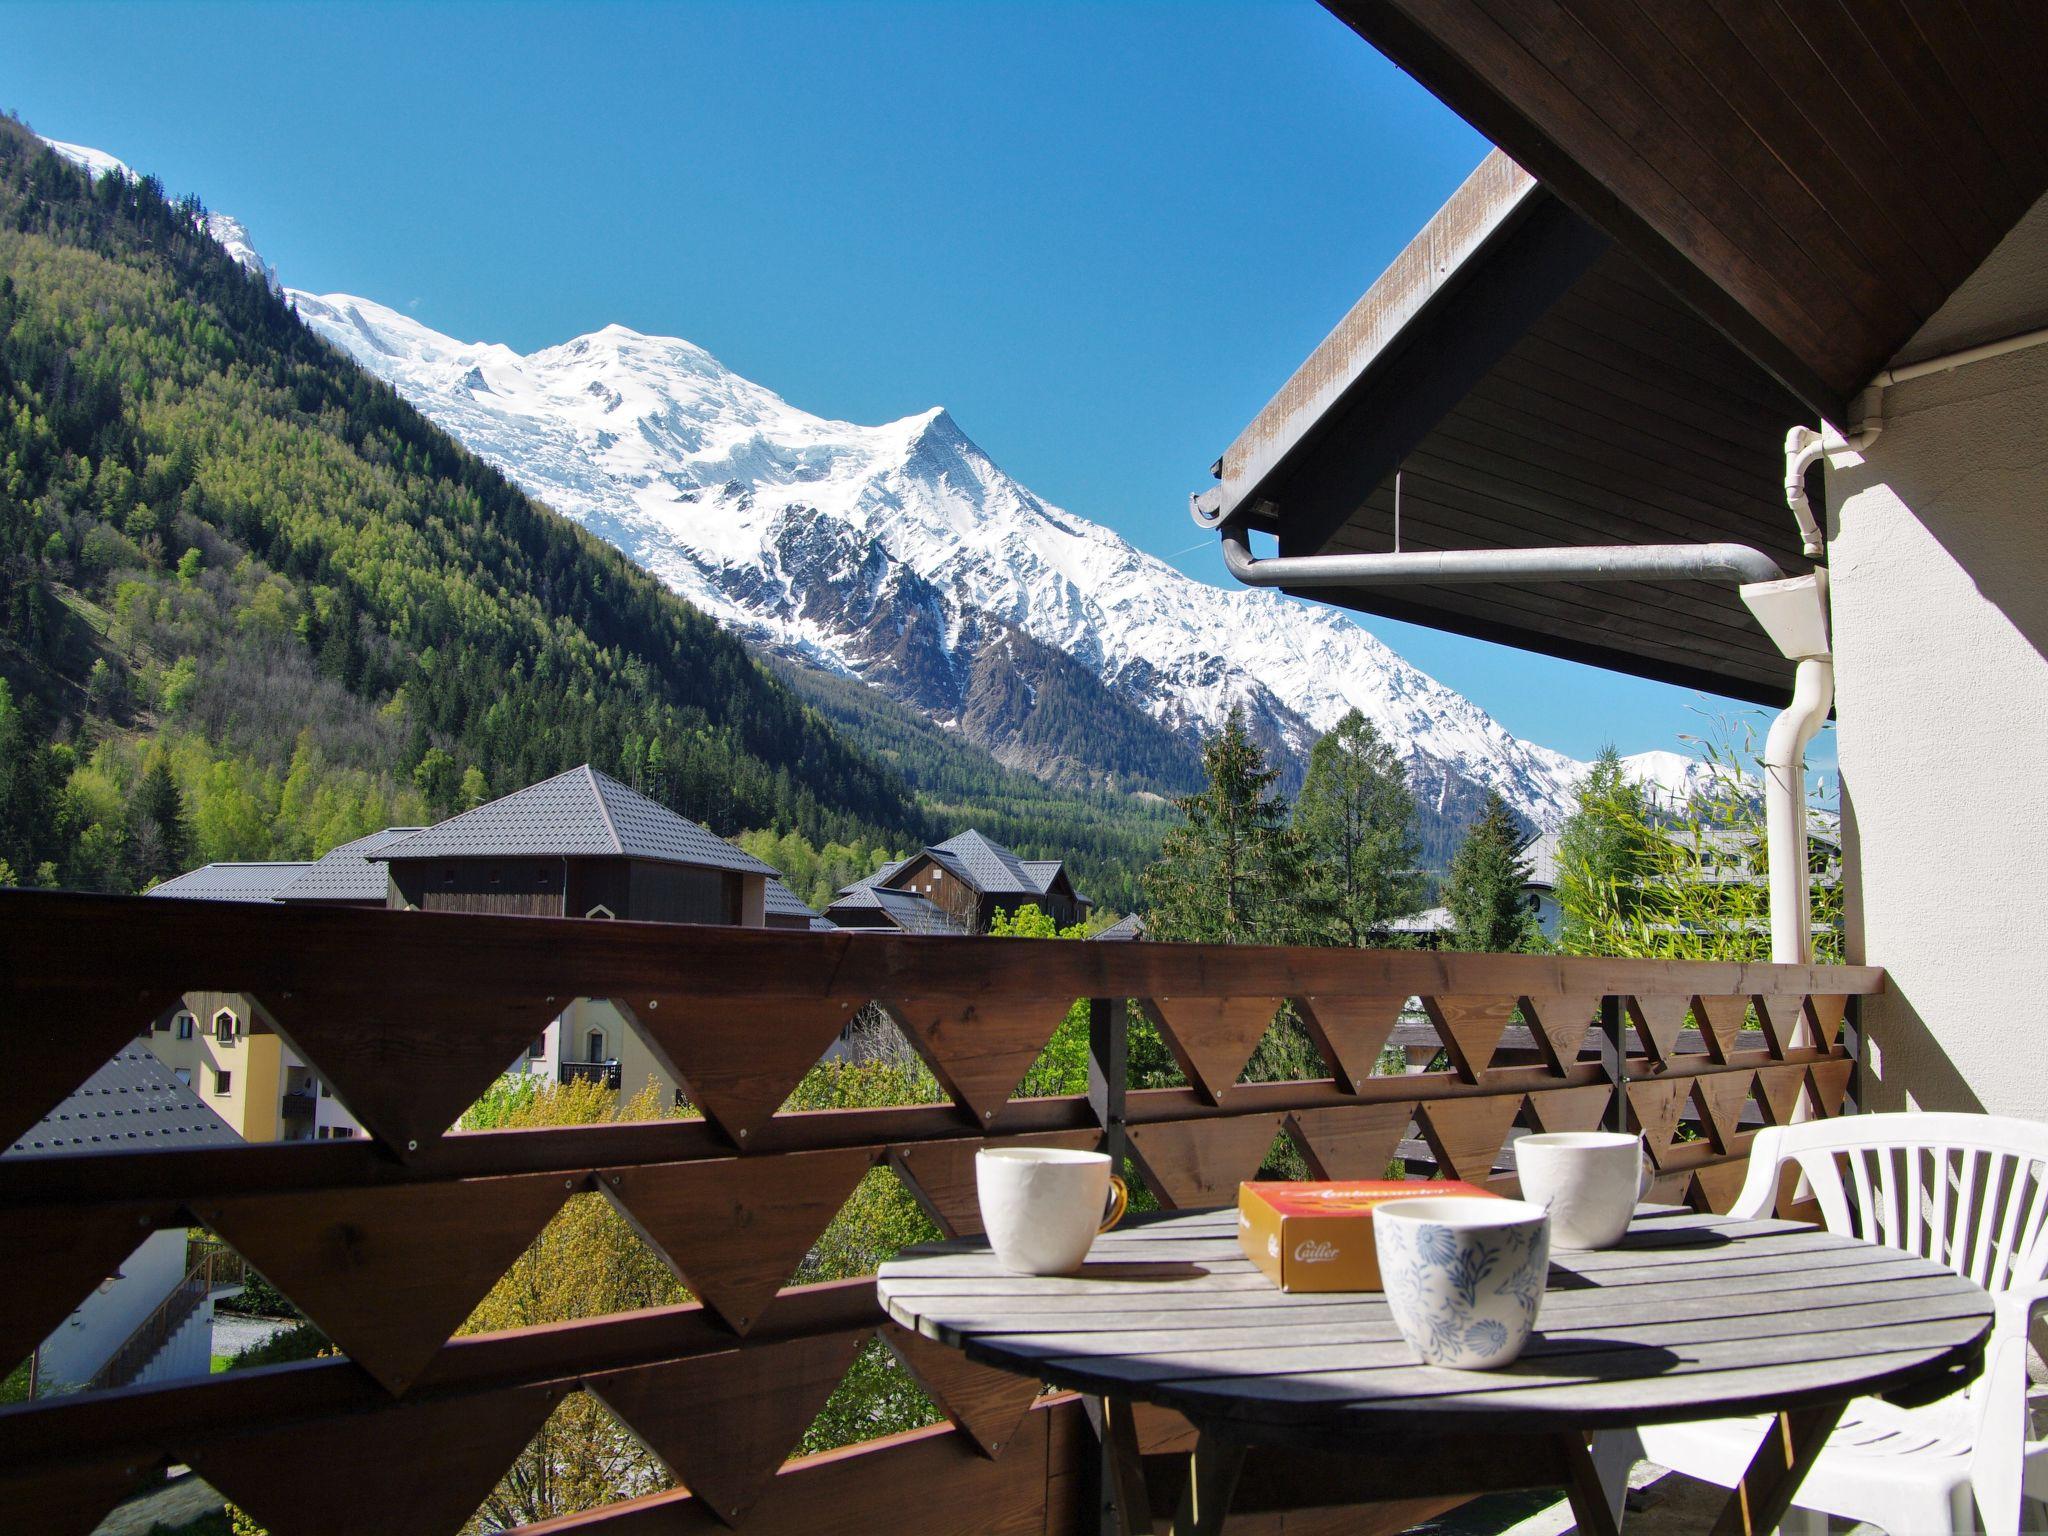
[
  {"x": 1532, "y": 385},
  {"x": 1739, "y": 214},
  {"x": 1815, "y": 179}
]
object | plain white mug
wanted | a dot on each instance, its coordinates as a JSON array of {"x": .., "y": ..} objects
[
  {"x": 1589, "y": 1181},
  {"x": 1042, "y": 1206}
]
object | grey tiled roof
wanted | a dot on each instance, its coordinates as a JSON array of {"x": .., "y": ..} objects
[
  {"x": 133, "y": 1103},
  {"x": 988, "y": 866},
  {"x": 1129, "y": 929},
  {"x": 869, "y": 881},
  {"x": 783, "y": 902},
  {"x": 1042, "y": 872},
  {"x": 1540, "y": 852},
  {"x": 231, "y": 882},
  {"x": 906, "y": 910},
  {"x": 578, "y": 814},
  {"x": 347, "y": 873}
]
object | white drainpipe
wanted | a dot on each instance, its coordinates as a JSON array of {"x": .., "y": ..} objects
[{"x": 1794, "y": 614}]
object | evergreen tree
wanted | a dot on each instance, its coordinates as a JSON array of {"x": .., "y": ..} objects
[
  {"x": 1354, "y": 823},
  {"x": 1604, "y": 853},
  {"x": 1228, "y": 874},
  {"x": 159, "y": 835},
  {"x": 1489, "y": 911}
]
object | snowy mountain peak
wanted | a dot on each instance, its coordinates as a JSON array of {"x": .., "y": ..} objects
[
  {"x": 746, "y": 504},
  {"x": 903, "y": 555}
]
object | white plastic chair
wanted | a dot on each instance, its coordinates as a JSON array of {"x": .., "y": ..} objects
[{"x": 1970, "y": 1192}]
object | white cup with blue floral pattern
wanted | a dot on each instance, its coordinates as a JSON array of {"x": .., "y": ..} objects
[{"x": 1463, "y": 1277}]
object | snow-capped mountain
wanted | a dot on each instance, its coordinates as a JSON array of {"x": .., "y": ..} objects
[
  {"x": 840, "y": 542},
  {"x": 902, "y": 555}
]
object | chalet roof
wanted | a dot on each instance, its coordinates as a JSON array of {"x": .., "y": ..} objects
[
  {"x": 578, "y": 814},
  {"x": 1540, "y": 854},
  {"x": 1042, "y": 872},
  {"x": 1125, "y": 931},
  {"x": 132, "y": 1103},
  {"x": 231, "y": 881},
  {"x": 783, "y": 902},
  {"x": 986, "y": 865},
  {"x": 347, "y": 873},
  {"x": 1435, "y": 920},
  {"x": 906, "y": 910}
]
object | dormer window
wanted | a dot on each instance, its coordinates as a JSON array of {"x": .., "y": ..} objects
[
  {"x": 225, "y": 1026},
  {"x": 186, "y": 1024}
]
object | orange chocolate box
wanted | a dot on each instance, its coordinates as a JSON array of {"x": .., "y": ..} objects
[{"x": 1318, "y": 1237}]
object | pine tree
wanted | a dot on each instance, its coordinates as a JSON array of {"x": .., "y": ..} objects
[
  {"x": 1355, "y": 823},
  {"x": 1604, "y": 854},
  {"x": 1489, "y": 911},
  {"x": 1228, "y": 874},
  {"x": 159, "y": 835}
]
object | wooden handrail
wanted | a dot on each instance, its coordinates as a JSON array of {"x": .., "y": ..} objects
[{"x": 408, "y": 1015}]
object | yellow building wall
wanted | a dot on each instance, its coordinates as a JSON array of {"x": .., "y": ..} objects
[{"x": 254, "y": 1064}]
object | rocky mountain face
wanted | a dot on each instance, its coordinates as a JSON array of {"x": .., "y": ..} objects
[{"x": 902, "y": 555}]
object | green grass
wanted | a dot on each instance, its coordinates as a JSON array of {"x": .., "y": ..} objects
[{"x": 220, "y": 1363}]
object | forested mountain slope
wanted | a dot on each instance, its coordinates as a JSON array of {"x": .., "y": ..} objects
[{"x": 252, "y": 603}]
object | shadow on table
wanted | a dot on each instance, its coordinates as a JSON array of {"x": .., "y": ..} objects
[
  {"x": 1585, "y": 1354},
  {"x": 1141, "y": 1269}
]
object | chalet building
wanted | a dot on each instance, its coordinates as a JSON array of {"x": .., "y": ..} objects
[
  {"x": 150, "y": 1318},
  {"x": 580, "y": 844},
  {"x": 958, "y": 887}
]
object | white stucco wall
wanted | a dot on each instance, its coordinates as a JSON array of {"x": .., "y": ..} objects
[
  {"x": 1939, "y": 564},
  {"x": 84, "y": 1341}
]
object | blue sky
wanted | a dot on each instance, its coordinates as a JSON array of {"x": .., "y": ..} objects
[{"x": 1102, "y": 236}]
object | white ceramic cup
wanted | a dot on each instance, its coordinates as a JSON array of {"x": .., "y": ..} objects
[
  {"x": 1463, "y": 1276},
  {"x": 1589, "y": 1181},
  {"x": 1042, "y": 1206}
]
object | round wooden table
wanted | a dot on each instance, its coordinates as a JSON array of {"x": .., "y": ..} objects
[{"x": 1691, "y": 1317}]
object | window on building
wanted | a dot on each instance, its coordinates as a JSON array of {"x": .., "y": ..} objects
[
  {"x": 539, "y": 1047},
  {"x": 224, "y": 1026},
  {"x": 186, "y": 1024},
  {"x": 596, "y": 1046},
  {"x": 184, "y": 1075},
  {"x": 223, "y": 1082}
]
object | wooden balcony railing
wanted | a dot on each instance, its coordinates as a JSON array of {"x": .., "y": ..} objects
[{"x": 388, "y": 1243}]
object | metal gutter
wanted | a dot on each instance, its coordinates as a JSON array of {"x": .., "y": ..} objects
[{"x": 1730, "y": 564}]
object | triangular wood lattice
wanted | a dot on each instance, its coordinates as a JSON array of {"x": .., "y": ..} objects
[
  {"x": 724, "y": 1423},
  {"x": 1351, "y": 1032},
  {"x": 736, "y": 1228},
  {"x": 95, "y": 1025},
  {"x": 1825, "y": 1012},
  {"x": 1658, "y": 1021},
  {"x": 411, "y": 1468},
  {"x": 407, "y": 1056},
  {"x": 1721, "y": 1020},
  {"x": 68, "y": 1250},
  {"x": 738, "y": 1058},
  {"x": 940, "y": 1174},
  {"x": 1715, "y": 1187},
  {"x": 1212, "y": 1037},
  {"x": 1194, "y": 1163},
  {"x": 1351, "y": 1142},
  {"x": 1778, "y": 1087},
  {"x": 1467, "y": 1134},
  {"x": 1657, "y": 1103},
  {"x": 1571, "y": 1109},
  {"x": 1561, "y": 1023},
  {"x": 978, "y": 1048},
  {"x": 70, "y": 1499},
  {"x": 1830, "y": 1081},
  {"x": 1470, "y": 1028},
  {"x": 1781, "y": 1015},
  {"x": 1720, "y": 1097},
  {"x": 390, "y": 1272},
  {"x": 985, "y": 1404}
]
